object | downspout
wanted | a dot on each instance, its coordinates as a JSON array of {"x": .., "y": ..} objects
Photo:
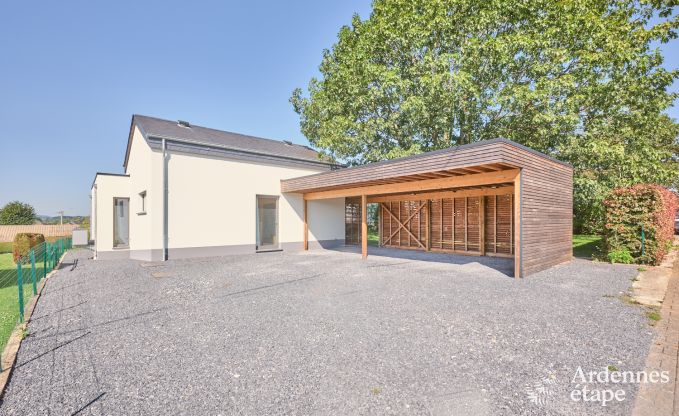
[
  {"x": 165, "y": 201},
  {"x": 93, "y": 219}
]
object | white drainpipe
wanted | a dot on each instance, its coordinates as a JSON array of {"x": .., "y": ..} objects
[{"x": 165, "y": 239}]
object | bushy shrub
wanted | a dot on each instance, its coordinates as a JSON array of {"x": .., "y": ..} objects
[
  {"x": 620, "y": 256},
  {"x": 629, "y": 210},
  {"x": 23, "y": 242}
]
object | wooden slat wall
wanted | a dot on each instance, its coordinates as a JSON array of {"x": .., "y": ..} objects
[
  {"x": 455, "y": 224},
  {"x": 546, "y": 210}
]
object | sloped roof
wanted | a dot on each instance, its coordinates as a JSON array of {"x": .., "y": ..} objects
[{"x": 152, "y": 127}]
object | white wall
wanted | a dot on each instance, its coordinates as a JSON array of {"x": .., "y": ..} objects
[
  {"x": 326, "y": 219},
  {"x": 107, "y": 188},
  {"x": 140, "y": 168},
  {"x": 212, "y": 202}
]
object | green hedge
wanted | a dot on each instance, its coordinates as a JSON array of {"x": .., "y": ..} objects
[
  {"x": 23, "y": 242},
  {"x": 627, "y": 210}
]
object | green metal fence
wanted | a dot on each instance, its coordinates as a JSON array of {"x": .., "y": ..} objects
[{"x": 19, "y": 281}]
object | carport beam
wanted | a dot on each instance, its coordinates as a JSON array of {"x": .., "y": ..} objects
[{"x": 364, "y": 226}]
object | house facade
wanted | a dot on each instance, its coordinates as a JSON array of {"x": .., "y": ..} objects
[{"x": 190, "y": 191}]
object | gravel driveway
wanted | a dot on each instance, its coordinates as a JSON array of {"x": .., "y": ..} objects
[{"x": 326, "y": 333}]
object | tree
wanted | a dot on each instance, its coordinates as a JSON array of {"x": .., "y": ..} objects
[
  {"x": 579, "y": 80},
  {"x": 17, "y": 213}
]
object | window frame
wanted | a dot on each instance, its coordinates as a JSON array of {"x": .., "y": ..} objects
[{"x": 142, "y": 195}]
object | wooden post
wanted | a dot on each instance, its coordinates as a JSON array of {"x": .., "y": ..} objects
[
  {"x": 380, "y": 225},
  {"x": 495, "y": 225},
  {"x": 518, "y": 269},
  {"x": 306, "y": 226},
  {"x": 482, "y": 225},
  {"x": 428, "y": 225},
  {"x": 364, "y": 226}
]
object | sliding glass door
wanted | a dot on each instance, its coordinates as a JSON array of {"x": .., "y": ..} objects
[
  {"x": 267, "y": 223},
  {"x": 121, "y": 222}
]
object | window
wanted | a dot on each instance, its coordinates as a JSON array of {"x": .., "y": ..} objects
[
  {"x": 142, "y": 196},
  {"x": 121, "y": 222}
]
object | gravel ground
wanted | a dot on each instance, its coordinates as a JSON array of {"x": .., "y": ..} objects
[{"x": 324, "y": 333}]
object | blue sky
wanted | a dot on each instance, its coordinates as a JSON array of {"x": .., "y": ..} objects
[{"x": 74, "y": 72}]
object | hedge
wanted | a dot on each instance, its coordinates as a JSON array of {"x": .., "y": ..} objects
[
  {"x": 23, "y": 242},
  {"x": 629, "y": 209}
]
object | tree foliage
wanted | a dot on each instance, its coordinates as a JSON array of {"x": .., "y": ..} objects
[
  {"x": 580, "y": 80},
  {"x": 17, "y": 213}
]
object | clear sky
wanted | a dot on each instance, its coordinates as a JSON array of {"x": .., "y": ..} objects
[{"x": 73, "y": 72}]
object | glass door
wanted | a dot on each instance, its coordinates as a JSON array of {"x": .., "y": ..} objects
[
  {"x": 267, "y": 223},
  {"x": 121, "y": 222}
]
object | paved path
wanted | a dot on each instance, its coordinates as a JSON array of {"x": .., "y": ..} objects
[
  {"x": 323, "y": 333},
  {"x": 662, "y": 399}
]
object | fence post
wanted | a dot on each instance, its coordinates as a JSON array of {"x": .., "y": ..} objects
[
  {"x": 33, "y": 273},
  {"x": 20, "y": 283},
  {"x": 44, "y": 260}
]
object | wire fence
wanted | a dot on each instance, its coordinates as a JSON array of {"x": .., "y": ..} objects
[{"x": 20, "y": 280}]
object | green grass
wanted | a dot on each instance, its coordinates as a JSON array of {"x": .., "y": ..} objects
[
  {"x": 9, "y": 294},
  {"x": 6, "y": 247},
  {"x": 6, "y": 261},
  {"x": 373, "y": 238},
  {"x": 586, "y": 246}
]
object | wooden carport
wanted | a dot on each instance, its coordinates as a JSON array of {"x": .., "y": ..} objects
[{"x": 460, "y": 200}]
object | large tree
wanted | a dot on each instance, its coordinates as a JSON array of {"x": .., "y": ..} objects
[
  {"x": 17, "y": 213},
  {"x": 580, "y": 80}
]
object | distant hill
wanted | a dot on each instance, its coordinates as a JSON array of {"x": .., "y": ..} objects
[{"x": 68, "y": 219}]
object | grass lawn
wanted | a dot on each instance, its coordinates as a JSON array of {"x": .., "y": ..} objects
[
  {"x": 6, "y": 247},
  {"x": 373, "y": 238},
  {"x": 9, "y": 294},
  {"x": 585, "y": 246}
]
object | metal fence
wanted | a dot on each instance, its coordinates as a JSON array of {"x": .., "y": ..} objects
[{"x": 19, "y": 281}]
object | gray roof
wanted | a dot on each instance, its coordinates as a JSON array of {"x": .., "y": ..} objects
[{"x": 152, "y": 127}]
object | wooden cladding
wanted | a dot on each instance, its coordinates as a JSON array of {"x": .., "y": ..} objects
[
  {"x": 403, "y": 224},
  {"x": 468, "y": 225},
  {"x": 352, "y": 221}
]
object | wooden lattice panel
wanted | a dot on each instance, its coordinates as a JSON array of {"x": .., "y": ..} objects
[
  {"x": 473, "y": 224},
  {"x": 504, "y": 224},
  {"x": 352, "y": 221},
  {"x": 460, "y": 225}
]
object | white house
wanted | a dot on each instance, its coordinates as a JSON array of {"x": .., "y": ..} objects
[{"x": 190, "y": 191}]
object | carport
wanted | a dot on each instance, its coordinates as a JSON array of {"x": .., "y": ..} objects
[{"x": 490, "y": 198}]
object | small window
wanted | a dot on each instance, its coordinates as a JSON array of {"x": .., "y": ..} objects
[{"x": 142, "y": 197}]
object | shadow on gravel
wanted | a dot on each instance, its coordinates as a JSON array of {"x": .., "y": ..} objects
[
  {"x": 112, "y": 321},
  {"x": 255, "y": 289},
  {"x": 88, "y": 404},
  {"x": 503, "y": 265},
  {"x": 60, "y": 310},
  {"x": 53, "y": 349}
]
